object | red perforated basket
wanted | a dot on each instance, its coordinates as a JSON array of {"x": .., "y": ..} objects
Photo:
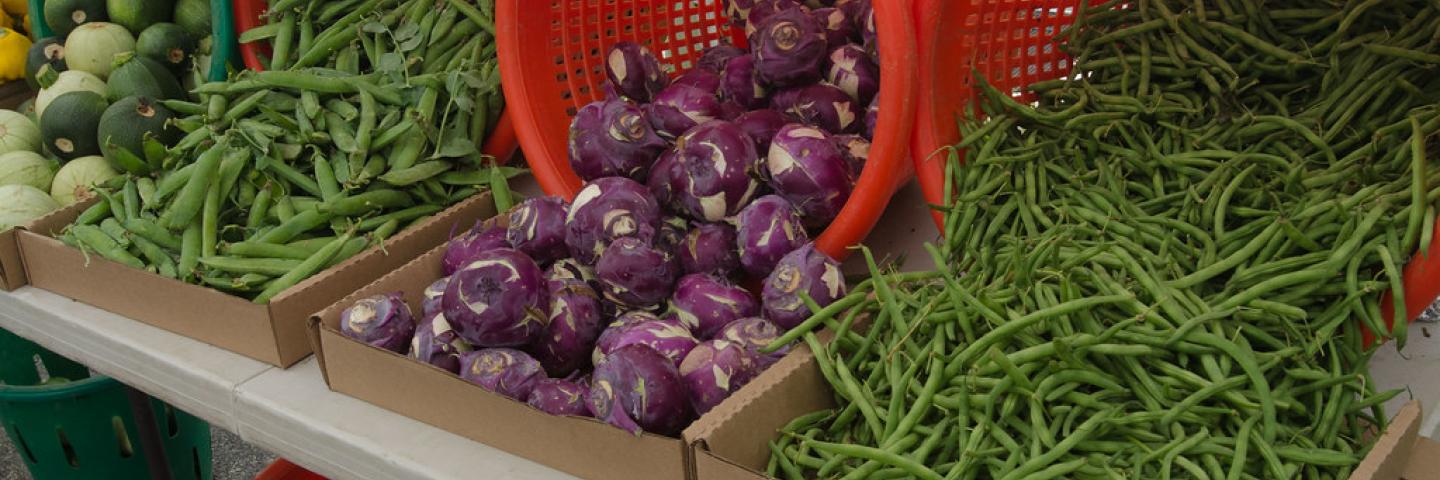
[
  {"x": 551, "y": 64},
  {"x": 249, "y": 14}
]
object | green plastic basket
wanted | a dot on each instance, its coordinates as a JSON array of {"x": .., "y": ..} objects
[{"x": 84, "y": 428}]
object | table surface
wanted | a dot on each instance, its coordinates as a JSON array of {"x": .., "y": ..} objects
[{"x": 293, "y": 413}]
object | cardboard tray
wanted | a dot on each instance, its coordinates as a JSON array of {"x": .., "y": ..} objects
[
  {"x": 273, "y": 333},
  {"x": 583, "y": 447},
  {"x": 12, "y": 266},
  {"x": 735, "y": 446}
]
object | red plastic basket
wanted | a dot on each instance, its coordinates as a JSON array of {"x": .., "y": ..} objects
[
  {"x": 249, "y": 14},
  {"x": 551, "y": 65},
  {"x": 282, "y": 469},
  {"x": 1008, "y": 41}
]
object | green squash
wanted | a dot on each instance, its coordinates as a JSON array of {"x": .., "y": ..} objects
[
  {"x": 194, "y": 17},
  {"x": 70, "y": 124},
  {"x": 168, "y": 44},
  {"x": 94, "y": 47},
  {"x": 47, "y": 52},
  {"x": 136, "y": 75},
  {"x": 127, "y": 124},
  {"x": 138, "y": 15},
  {"x": 64, "y": 15}
]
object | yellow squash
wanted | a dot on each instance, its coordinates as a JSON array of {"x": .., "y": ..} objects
[{"x": 13, "y": 47}]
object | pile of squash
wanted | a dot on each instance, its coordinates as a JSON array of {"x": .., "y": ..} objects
[{"x": 14, "y": 40}]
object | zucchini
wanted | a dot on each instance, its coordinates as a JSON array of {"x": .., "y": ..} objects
[
  {"x": 71, "y": 122},
  {"x": 138, "y": 15},
  {"x": 168, "y": 44},
  {"x": 64, "y": 15},
  {"x": 48, "y": 51},
  {"x": 125, "y": 126},
  {"x": 137, "y": 75}
]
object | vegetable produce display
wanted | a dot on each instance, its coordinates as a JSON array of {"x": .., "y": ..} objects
[
  {"x": 1163, "y": 269},
  {"x": 256, "y": 183}
]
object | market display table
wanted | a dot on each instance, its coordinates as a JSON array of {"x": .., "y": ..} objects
[{"x": 289, "y": 412}]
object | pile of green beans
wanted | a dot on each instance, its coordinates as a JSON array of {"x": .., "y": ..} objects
[
  {"x": 1161, "y": 270},
  {"x": 284, "y": 173}
]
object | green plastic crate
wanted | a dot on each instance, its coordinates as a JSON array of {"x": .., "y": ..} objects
[{"x": 82, "y": 426}]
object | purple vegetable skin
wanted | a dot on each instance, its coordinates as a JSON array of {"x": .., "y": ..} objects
[
  {"x": 767, "y": 230},
  {"x": 739, "y": 83},
  {"x": 497, "y": 300},
  {"x": 464, "y": 248},
  {"x": 383, "y": 321},
  {"x": 669, "y": 338},
  {"x": 729, "y": 110},
  {"x": 537, "y": 228},
  {"x": 436, "y": 343},
  {"x": 855, "y": 72},
  {"x": 807, "y": 168},
  {"x": 762, "y": 125},
  {"x": 839, "y": 30},
  {"x": 821, "y": 105},
  {"x": 754, "y": 334},
  {"x": 789, "y": 48},
  {"x": 433, "y": 295},
  {"x": 715, "y": 58},
  {"x": 560, "y": 397},
  {"x": 706, "y": 304},
  {"x": 611, "y": 333},
  {"x": 672, "y": 233},
  {"x": 705, "y": 80},
  {"x": 634, "y": 71},
  {"x": 608, "y": 209},
  {"x": 868, "y": 35},
  {"x": 714, "y": 370},
  {"x": 872, "y": 116},
  {"x": 855, "y": 149},
  {"x": 570, "y": 269},
  {"x": 505, "y": 371},
  {"x": 637, "y": 389},
  {"x": 715, "y": 172},
  {"x": 612, "y": 138},
  {"x": 633, "y": 274},
  {"x": 803, "y": 270},
  {"x": 681, "y": 107},
  {"x": 710, "y": 248},
  {"x": 762, "y": 10},
  {"x": 658, "y": 182},
  {"x": 575, "y": 321}
]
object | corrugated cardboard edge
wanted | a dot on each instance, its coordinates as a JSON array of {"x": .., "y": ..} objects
[
  {"x": 12, "y": 264},
  {"x": 275, "y": 333},
  {"x": 1392, "y": 452},
  {"x": 580, "y": 446}
]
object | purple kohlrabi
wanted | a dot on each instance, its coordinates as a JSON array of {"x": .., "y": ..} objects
[
  {"x": 637, "y": 389},
  {"x": 740, "y": 84},
  {"x": 612, "y": 138},
  {"x": 803, "y": 270},
  {"x": 575, "y": 323},
  {"x": 855, "y": 149},
  {"x": 855, "y": 72},
  {"x": 762, "y": 10},
  {"x": 383, "y": 321},
  {"x": 839, "y": 30},
  {"x": 715, "y": 58},
  {"x": 765, "y": 231},
  {"x": 868, "y": 35},
  {"x": 755, "y": 334},
  {"x": 433, "y": 296},
  {"x": 710, "y": 248},
  {"x": 611, "y": 334},
  {"x": 658, "y": 182},
  {"x": 497, "y": 300},
  {"x": 762, "y": 125},
  {"x": 634, "y": 71},
  {"x": 670, "y": 339},
  {"x": 680, "y": 107},
  {"x": 634, "y": 274},
  {"x": 462, "y": 249},
  {"x": 789, "y": 48},
  {"x": 716, "y": 171},
  {"x": 570, "y": 269},
  {"x": 607, "y": 209},
  {"x": 505, "y": 371},
  {"x": 821, "y": 105},
  {"x": 706, "y": 80},
  {"x": 560, "y": 397},
  {"x": 706, "y": 304},
  {"x": 807, "y": 168},
  {"x": 436, "y": 343},
  {"x": 872, "y": 116},
  {"x": 672, "y": 233},
  {"x": 537, "y": 228},
  {"x": 739, "y": 10},
  {"x": 714, "y": 370}
]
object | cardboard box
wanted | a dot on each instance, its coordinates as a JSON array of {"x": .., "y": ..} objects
[
  {"x": 273, "y": 333},
  {"x": 12, "y": 266},
  {"x": 735, "y": 446},
  {"x": 584, "y": 447}
]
